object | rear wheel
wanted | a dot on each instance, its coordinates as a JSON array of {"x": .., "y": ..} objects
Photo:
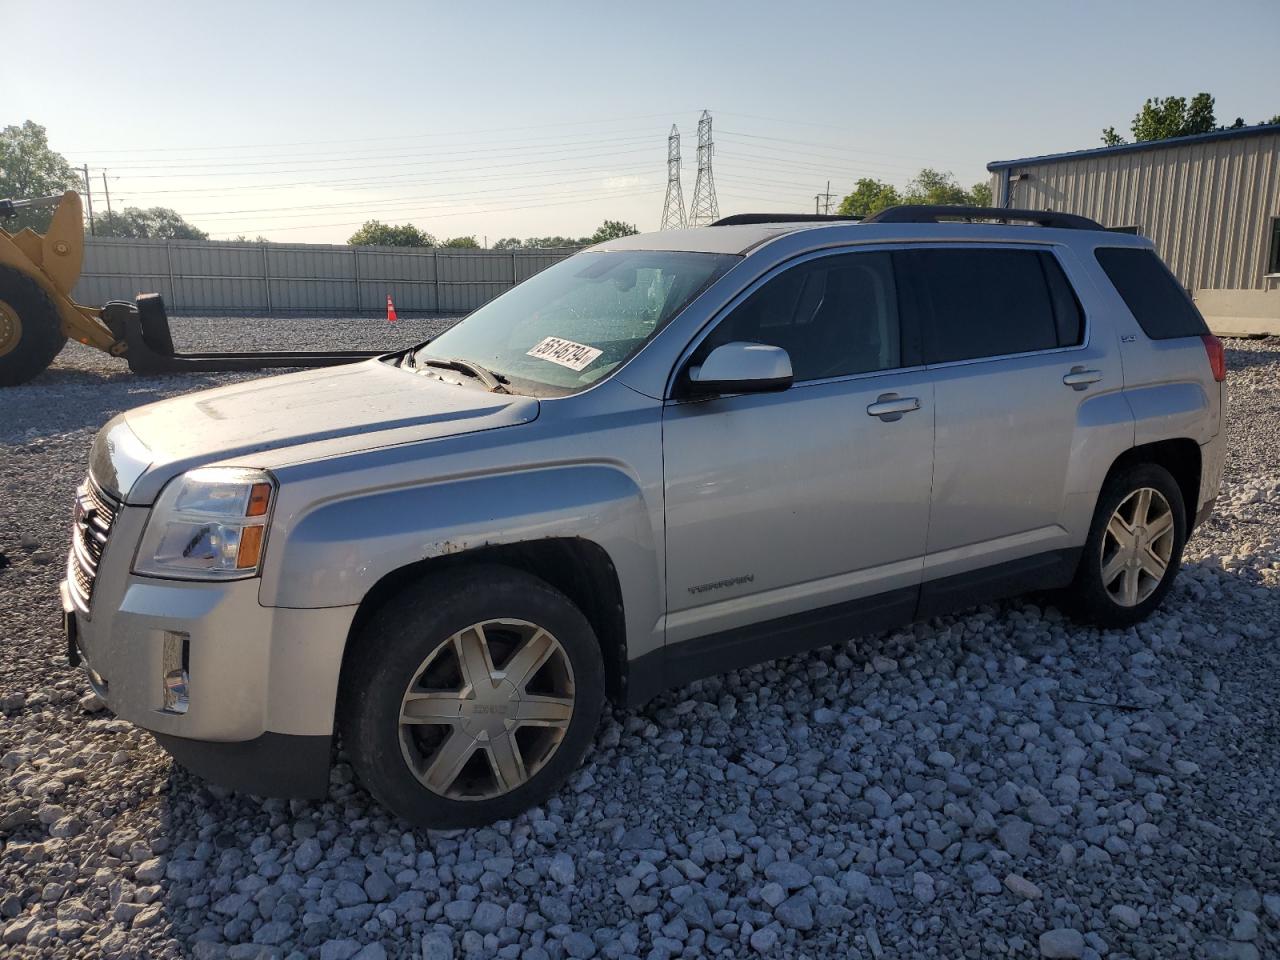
[
  {"x": 471, "y": 696},
  {"x": 30, "y": 331},
  {"x": 1134, "y": 548}
]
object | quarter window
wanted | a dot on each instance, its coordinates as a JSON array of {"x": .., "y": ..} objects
[
  {"x": 990, "y": 303},
  {"x": 1154, "y": 297},
  {"x": 835, "y": 316}
]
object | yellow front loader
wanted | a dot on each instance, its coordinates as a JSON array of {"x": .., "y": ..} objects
[
  {"x": 37, "y": 273},
  {"x": 38, "y": 316}
]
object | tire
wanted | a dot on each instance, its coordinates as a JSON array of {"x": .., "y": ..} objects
[
  {"x": 413, "y": 646},
  {"x": 1112, "y": 604},
  {"x": 30, "y": 329}
]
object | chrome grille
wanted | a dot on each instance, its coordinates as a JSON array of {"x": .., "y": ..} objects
[{"x": 95, "y": 512}]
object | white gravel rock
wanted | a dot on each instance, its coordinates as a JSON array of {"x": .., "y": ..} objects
[{"x": 885, "y": 796}]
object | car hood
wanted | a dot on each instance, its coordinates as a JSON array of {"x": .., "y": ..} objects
[{"x": 314, "y": 413}]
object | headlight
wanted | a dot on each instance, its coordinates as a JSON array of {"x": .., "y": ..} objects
[{"x": 209, "y": 524}]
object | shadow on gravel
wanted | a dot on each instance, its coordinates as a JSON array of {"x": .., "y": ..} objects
[
  {"x": 63, "y": 401},
  {"x": 1238, "y": 359}
]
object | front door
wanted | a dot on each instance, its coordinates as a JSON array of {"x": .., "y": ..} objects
[{"x": 798, "y": 507}]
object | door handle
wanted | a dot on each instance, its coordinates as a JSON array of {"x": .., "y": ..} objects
[
  {"x": 1079, "y": 378},
  {"x": 889, "y": 407}
]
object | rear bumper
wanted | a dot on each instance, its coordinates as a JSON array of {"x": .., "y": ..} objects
[{"x": 1212, "y": 461}]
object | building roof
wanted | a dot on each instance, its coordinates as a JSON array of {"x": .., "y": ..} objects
[{"x": 1144, "y": 145}]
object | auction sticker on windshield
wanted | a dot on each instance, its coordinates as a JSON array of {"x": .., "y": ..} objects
[{"x": 575, "y": 356}]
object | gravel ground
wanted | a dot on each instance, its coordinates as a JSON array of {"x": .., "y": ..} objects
[{"x": 1000, "y": 783}]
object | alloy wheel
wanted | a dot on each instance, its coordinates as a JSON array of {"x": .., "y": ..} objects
[
  {"x": 486, "y": 709},
  {"x": 1137, "y": 546}
]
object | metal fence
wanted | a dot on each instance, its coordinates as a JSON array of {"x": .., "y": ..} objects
[{"x": 226, "y": 277}]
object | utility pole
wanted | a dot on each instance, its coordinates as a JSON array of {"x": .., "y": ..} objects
[
  {"x": 704, "y": 209},
  {"x": 673, "y": 207},
  {"x": 823, "y": 200},
  {"x": 88, "y": 189},
  {"x": 107, "y": 190}
]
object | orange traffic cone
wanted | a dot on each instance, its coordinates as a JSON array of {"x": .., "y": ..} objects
[{"x": 391, "y": 310}]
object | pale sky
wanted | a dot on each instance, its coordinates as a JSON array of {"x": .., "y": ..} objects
[{"x": 299, "y": 121}]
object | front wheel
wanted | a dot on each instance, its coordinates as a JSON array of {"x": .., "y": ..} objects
[
  {"x": 30, "y": 331},
  {"x": 1134, "y": 548},
  {"x": 471, "y": 696}
]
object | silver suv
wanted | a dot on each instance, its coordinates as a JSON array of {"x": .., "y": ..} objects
[{"x": 666, "y": 457}]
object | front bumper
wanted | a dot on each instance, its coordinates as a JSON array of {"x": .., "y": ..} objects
[{"x": 261, "y": 686}]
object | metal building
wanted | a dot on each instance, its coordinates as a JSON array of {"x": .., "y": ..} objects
[{"x": 1211, "y": 203}]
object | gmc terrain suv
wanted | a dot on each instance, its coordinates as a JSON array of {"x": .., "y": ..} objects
[{"x": 665, "y": 457}]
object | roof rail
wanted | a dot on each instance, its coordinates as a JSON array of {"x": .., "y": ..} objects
[
  {"x": 934, "y": 213},
  {"x": 740, "y": 219}
]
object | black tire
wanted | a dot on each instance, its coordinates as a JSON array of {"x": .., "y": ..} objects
[
  {"x": 39, "y": 334},
  {"x": 1087, "y": 598},
  {"x": 387, "y": 655}
]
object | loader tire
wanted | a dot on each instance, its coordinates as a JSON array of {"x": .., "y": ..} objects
[{"x": 30, "y": 330}]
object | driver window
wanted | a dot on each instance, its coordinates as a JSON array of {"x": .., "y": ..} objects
[{"x": 835, "y": 316}]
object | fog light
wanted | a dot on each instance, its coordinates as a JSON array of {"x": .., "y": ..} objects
[{"x": 175, "y": 664}]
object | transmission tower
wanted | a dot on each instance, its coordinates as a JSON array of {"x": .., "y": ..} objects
[
  {"x": 704, "y": 209},
  {"x": 673, "y": 208}
]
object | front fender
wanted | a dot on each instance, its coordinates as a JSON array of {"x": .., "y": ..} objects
[{"x": 333, "y": 554}]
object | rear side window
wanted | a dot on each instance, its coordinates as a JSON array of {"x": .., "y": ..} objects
[
  {"x": 990, "y": 303},
  {"x": 1152, "y": 294}
]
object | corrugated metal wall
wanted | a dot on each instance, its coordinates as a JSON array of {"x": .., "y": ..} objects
[
  {"x": 1208, "y": 206},
  {"x": 217, "y": 277}
]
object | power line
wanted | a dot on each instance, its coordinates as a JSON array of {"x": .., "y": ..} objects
[
  {"x": 823, "y": 200},
  {"x": 405, "y": 136},
  {"x": 704, "y": 209},
  {"x": 327, "y": 209},
  {"x": 375, "y": 183},
  {"x": 498, "y": 150},
  {"x": 398, "y": 163},
  {"x": 673, "y": 206},
  {"x": 461, "y": 213}
]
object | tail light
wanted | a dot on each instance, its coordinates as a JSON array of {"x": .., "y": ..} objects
[{"x": 1217, "y": 356}]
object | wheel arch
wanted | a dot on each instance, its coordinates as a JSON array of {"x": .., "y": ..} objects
[
  {"x": 581, "y": 569},
  {"x": 1180, "y": 456}
]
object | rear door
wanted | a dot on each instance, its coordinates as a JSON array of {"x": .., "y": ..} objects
[{"x": 1008, "y": 351}]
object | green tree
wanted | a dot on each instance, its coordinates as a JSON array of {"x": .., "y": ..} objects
[
  {"x": 28, "y": 169},
  {"x": 508, "y": 243},
  {"x": 935, "y": 187},
  {"x": 154, "y": 223},
  {"x": 541, "y": 243},
  {"x": 980, "y": 194},
  {"x": 1163, "y": 117},
  {"x": 377, "y": 234},
  {"x": 465, "y": 243},
  {"x": 1275, "y": 119},
  {"x": 869, "y": 196},
  {"x": 241, "y": 238},
  {"x": 611, "y": 230}
]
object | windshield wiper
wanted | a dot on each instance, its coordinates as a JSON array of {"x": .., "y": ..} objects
[{"x": 493, "y": 382}]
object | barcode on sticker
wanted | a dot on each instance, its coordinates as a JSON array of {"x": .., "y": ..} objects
[{"x": 575, "y": 356}]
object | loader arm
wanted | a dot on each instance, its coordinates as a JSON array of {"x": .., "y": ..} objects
[{"x": 53, "y": 261}]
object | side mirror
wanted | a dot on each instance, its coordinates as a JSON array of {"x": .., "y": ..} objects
[{"x": 741, "y": 368}]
